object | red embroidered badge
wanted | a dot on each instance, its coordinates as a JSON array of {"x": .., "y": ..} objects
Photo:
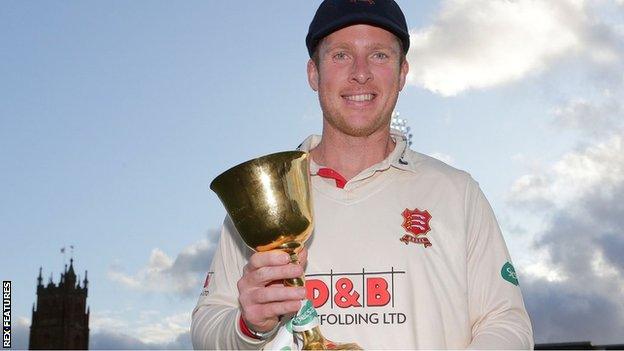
[{"x": 416, "y": 222}]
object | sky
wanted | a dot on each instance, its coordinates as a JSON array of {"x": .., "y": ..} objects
[{"x": 115, "y": 116}]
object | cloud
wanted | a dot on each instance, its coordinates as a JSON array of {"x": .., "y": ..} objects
[
  {"x": 20, "y": 333},
  {"x": 151, "y": 330},
  {"x": 182, "y": 276},
  {"x": 584, "y": 242},
  {"x": 148, "y": 329},
  {"x": 107, "y": 320},
  {"x": 575, "y": 284},
  {"x": 168, "y": 333},
  {"x": 161, "y": 330},
  {"x": 562, "y": 314},
  {"x": 594, "y": 119},
  {"x": 575, "y": 291},
  {"x": 108, "y": 340},
  {"x": 483, "y": 43},
  {"x": 600, "y": 167}
]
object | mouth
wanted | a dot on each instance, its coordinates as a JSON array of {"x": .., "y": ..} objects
[{"x": 359, "y": 97}]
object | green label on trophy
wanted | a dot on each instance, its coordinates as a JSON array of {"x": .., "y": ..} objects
[{"x": 306, "y": 318}]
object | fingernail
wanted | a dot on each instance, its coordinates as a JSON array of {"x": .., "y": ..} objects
[{"x": 301, "y": 292}]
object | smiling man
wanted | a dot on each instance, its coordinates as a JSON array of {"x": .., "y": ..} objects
[
  {"x": 358, "y": 72},
  {"x": 406, "y": 251}
]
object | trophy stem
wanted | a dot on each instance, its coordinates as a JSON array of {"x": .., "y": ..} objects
[
  {"x": 291, "y": 248},
  {"x": 312, "y": 338}
]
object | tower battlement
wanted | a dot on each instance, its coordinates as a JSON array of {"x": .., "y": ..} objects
[{"x": 60, "y": 317}]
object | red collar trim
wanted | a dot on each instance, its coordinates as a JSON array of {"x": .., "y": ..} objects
[{"x": 330, "y": 173}]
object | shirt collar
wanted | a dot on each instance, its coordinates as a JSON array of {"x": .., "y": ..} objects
[{"x": 397, "y": 158}]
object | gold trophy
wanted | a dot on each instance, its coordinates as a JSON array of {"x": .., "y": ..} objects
[{"x": 269, "y": 201}]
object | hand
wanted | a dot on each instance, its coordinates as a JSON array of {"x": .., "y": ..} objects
[{"x": 262, "y": 295}]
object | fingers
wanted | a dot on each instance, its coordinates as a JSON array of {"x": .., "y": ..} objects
[
  {"x": 261, "y": 300},
  {"x": 264, "y": 317},
  {"x": 265, "y": 275},
  {"x": 278, "y": 294},
  {"x": 264, "y": 268},
  {"x": 269, "y": 311},
  {"x": 275, "y": 258},
  {"x": 265, "y": 303},
  {"x": 269, "y": 258},
  {"x": 303, "y": 257}
]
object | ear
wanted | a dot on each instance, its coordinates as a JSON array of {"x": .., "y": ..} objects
[
  {"x": 313, "y": 75},
  {"x": 403, "y": 73}
]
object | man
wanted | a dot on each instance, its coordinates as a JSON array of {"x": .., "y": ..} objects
[{"x": 406, "y": 251}]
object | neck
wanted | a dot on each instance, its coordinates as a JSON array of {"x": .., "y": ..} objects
[{"x": 349, "y": 155}]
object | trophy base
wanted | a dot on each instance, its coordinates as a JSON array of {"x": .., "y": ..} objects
[
  {"x": 314, "y": 340},
  {"x": 328, "y": 345}
]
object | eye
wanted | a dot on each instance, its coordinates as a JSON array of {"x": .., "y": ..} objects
[
  {"x": 380, "y": 56},
  {"x": 340, "y": 56}
]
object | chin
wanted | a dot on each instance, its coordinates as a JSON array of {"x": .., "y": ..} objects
[
  {"x": 357, "y": 123},
  {"x": 359, "y": 130}
]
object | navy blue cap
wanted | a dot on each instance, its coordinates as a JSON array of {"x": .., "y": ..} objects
[{"x": 333, "y": 15}]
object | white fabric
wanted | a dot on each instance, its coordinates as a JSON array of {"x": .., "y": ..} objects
[{"x": 447, "y": 295}]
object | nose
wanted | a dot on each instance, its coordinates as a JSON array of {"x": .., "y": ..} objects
[{"x": 361, "y": 72}]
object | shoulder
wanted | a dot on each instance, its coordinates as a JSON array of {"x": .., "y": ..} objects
[{"x": 429, "y": 168}]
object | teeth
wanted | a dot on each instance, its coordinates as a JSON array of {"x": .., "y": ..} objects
[{"x": 362, "y": 97}]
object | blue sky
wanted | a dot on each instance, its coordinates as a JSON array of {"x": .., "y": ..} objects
[{"x": 115, "y": 116}]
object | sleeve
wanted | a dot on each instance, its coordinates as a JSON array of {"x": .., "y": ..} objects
[
  {"x": 497, "y": 314},
  {"x": 214, "y": 321}
]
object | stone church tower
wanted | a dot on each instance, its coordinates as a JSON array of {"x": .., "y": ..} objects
[{"x": 61, "y": 317}]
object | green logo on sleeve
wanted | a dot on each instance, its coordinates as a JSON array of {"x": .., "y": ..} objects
[{"x": 509, "y": 273}]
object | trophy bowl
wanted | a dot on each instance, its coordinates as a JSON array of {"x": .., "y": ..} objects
[{"x": 269, "y": 201}]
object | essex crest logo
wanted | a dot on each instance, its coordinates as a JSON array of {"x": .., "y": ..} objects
[{"x": 416, "y": 223}]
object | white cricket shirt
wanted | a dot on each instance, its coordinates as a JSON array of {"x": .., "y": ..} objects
[{"x": 408, "y": 255}]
